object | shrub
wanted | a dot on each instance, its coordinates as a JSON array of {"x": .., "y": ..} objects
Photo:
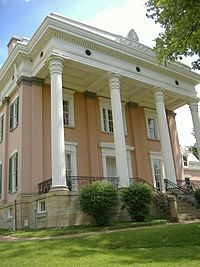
[
  {"x": 100, "y": 200},
  {"x": 197, "y": 196},
  {"x": 137, "y": 198}
]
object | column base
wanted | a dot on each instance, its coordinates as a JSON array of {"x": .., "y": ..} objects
[{"x": 59, "y": 188}]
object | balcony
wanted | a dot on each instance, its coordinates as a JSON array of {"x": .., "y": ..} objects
[{"x": 75, "y": 183}]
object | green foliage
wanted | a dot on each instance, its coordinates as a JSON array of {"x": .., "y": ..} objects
[
  {"x": 100, "y": 200},
  {"x": 137, "y": 198},
  {"x": 197, "y": 196},
  {"x": 180, "y": 20},
  {"x": 194, "y": 150}
]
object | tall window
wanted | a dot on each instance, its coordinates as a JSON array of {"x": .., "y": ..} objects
[
  {"x": 13, "y": 173},
  {"x": 1, "y": 174},
  {"x": 107, "y": 117},
  {"x": 157, "y": 169},
  {"x": 151, "y": 123},
  {"x": 107, "y": 120},
  {"x": 14, "y": 114},
  {"x": 68, "y": 108},
  {"x": 1, "y": 127},
  {"x": 68, "y": 163}
]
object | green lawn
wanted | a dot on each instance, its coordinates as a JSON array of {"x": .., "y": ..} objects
[{"x": 163, "y": 246}]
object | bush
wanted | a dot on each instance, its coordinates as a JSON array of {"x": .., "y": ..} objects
[
  {"x": 100, "y": 200},
  {"x": 197, "y": 196},
  {"x": 137, "y": 198}
]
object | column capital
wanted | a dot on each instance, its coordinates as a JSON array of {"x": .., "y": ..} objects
[
  {"x": 113, "y": 80},
  {"x": 6, "y": 100},
  {"x": 158, "y": 94},
  {"x": 55, "y": 64},
  {"x": 193, "y": 103}
]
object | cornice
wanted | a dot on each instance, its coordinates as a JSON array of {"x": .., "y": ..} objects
[{"x": 29, "y": 81}]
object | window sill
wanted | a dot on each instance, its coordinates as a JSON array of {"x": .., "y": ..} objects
[
  {"x": 69, "y": 126},
  {"x": 13, "y": 192},
  {"x": 41, "y": 214},
  {"x": 156, "y": 140},
  {"x": 12, "y": 129}
]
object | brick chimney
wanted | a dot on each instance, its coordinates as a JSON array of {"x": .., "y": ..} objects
[{"x": 12, "y": 43}]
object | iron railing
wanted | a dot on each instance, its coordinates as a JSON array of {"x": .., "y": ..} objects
[
  {"x": 180, "y": 192},
  {"x": 75, "y": 183}
]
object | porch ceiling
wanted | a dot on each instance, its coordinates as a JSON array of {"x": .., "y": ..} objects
[{"x": 83, "y": 78}]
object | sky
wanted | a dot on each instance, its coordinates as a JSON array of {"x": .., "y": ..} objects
[{"x": 21, "y": 18}]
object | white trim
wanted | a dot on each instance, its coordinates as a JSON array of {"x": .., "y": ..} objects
[
  {"x": 39, "y": 211},
  {"x": 157, "y": 156},
  {"x": 13, "y": 100},
  {"x": 70, "y": 148},
  {"x": 108, "y": 150},
  {"x": 150, "y": 113},
  {"x": 68, "y": 95},
  {"x": 14, "y": 152},
  {"x": 10, "y": 212}
]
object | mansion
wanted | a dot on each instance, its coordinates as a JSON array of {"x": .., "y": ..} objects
[{"x": 79, "y": 104}]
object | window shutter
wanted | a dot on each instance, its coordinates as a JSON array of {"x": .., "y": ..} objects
[
  {"x": 16, "y": 171},
  {"x": 10, "y": 176},
  {"x": 17, "y": 110},
  {"x": 11, "y": 116},
  {"x": 1, "y": 127}
]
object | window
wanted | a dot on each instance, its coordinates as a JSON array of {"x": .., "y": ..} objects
[
  {"x": 1, "y": 127},
  {"x": 42, "y": 207},
  {"x": 185, "y": 161},
  {"x": 157, "y": 171},
  {"x": 151, "y": 123},
  {"x": 13, "y": 173},
  {"x": 68, "y": 108},
  {"x": 1, "y": 174},
  {"x": 107, "y": 118},
  {"x": 71, "y": 165},
  {"x": 14, "y": 114},
  {"x": 68, "y": 162}
]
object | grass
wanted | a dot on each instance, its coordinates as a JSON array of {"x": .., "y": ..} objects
[
  {"x": 160, "y": 246},
  {"x": 77, "y": 229}
]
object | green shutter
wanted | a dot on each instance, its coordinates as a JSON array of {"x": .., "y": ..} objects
[
  {"x": 11, "y": 116},
  {"x": 16, "y": 171},
  {"x": 17, "y": 110},
  {"x": 10, "y": 176},
  {"x": 1, "y": 127}
]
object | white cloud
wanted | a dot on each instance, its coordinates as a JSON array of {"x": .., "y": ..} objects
[{"x": 120, "y": 20}]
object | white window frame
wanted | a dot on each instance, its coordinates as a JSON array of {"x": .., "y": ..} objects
[
  {"x": 1, "y": 179},
  {"x": 68, "y": 95},
  {"x": 151, "y": 114},
  {"x": 1, "y": 126},
  {"x": 14, "y": 172},
  {"x": 71, "y": 149},
  {"x": 157, "y": 156},
  {"x": 42, "y": 203},
  {"x": 185, "y": 161},
  {"x": 15, "y": 115},
  {"x": 105, "y": 103},
  {"x": 108, "y": 150}
]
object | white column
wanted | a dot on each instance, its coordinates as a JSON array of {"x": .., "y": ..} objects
[
  {"x": 119, "y": 136},
  {"x": 193, "y": 104},
  {"x": 57, "y": 127},
  {"x": 166, "y": 148}
]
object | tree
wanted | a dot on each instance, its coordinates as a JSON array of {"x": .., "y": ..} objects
[
  {"x": 180, "y": 20},
  {"x": 194, "y": 150}
]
